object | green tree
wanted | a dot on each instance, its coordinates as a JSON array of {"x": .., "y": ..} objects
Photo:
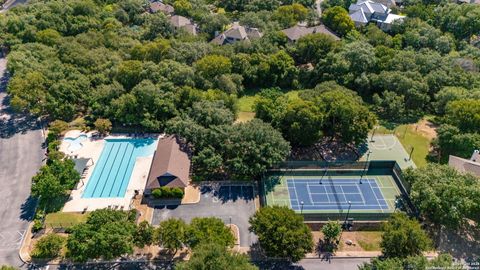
[
  {"x": 129, "y": 73},
  {"x": 444, "y": 196},
  {"x": 464, "y": 114},
  {"x": 103, "y": 126},
  {"x": 312, "y": 48},
  {"x": 209, "y": 231},
  {"x": 171, "y": 234},
  {"x": 414, "y": 262},
  {"x": 289, "y": 15},
  {"x": 49, "y": 246},
  {"x": 281, "y": 233},
  {"x": 107, "y": 234},
  {"x": 347, "y": 117},
  {"x": 214, "y": 256},
  {"x": 251, "y": 148},
  {"x": 331, "y": 231},
  {"x": 57, "y": 127},
  {"x": 403, "y": 237},
  {"x": 48, "y": 36},
  {"x": 337, "y": 19},
  {"x": 211, "y": 66},
  {"x": 451, "y": 141},
  {"x": 302, "y": 122},
  {"x": 143, "y": 235}
]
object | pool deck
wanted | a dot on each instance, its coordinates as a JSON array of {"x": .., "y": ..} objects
[{"x": 92, "y": 148}]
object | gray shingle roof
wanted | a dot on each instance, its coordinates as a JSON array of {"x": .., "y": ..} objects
[
  {"x": 237, "y": 33},
  {"x": 159, "y": 6},
  {"x": 296, "y": 32}
]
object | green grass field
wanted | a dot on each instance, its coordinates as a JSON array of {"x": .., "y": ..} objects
[
  {"x": 409, "y": 137},
  {"x": 62, "y": 219}
]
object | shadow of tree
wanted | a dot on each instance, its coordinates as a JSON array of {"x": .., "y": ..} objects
[
  {"x": 462, "y": 243},
  {"x": 12, "y": 122},
  {"x": 28, "y": 209}
]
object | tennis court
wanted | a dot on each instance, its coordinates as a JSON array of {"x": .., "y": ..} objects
[
  {"x": 329, "y": 193},
  {"x": 338, "y": 194}
]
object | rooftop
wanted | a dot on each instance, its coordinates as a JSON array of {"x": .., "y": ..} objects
[{"x": 170, "y": 165}]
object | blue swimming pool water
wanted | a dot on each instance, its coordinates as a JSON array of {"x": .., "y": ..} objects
[
  {"x": 75, "y": 143},
  {"x": 113, "y": 169}
]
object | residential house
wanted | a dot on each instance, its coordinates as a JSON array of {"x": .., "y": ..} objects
[
  {"x": 463, "y": 165},
  {"x": 296, "y": 32},
  {"x": 170, "y": 166},
  {"x": 365, "y": 11},
  {"x": 184, "y": 23},
  {"x": 161, "y": 7},
  {"x": 237, "y": 33}
]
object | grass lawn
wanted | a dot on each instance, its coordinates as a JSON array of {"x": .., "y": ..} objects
[
  {"x": 245, "y": 103},
  {"x": 411, "y": 136},
  {"x": 369, "y": 241},
  {"x": 61, "y": 219}
]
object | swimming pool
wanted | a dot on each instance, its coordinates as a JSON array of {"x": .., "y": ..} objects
[
  {"x": 113, "y": 170},
  {"x": 75, "y": 143}
]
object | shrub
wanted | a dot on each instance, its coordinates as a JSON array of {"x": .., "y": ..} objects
[
  {"x": 168, "y": 192},
  {"x": 48, "y": 246}
]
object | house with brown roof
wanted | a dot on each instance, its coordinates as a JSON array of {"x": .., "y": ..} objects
[
  {"x": 159, "y": 6},
  {"x": 298, "y": 31},
  {"x": 237, "y": 33},
  {"x": 185, "y": 23},
  {"x": 170, "y": 166}
]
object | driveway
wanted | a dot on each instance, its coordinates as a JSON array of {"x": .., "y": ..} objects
[
  {"x": 21, "y": 156},
  {"x": 231, "y": 203}
]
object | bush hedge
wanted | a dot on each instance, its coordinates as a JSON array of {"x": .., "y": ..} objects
[{"x": 168, "y": 192}]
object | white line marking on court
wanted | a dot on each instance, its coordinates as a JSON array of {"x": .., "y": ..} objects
[
  {"x": 309, "y": 193},
  {"x": 296, "y": 194},
  {"x": 376, "y": 198}
]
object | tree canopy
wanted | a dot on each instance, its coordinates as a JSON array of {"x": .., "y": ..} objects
[
  {"x": 445, "y": 196},
  {"x": 281, "y": 233}
]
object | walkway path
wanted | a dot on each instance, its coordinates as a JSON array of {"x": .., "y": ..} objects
[{"x": 21, "y": 155}]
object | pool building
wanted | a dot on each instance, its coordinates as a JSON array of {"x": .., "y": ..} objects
[{"x": 118, "y": 168}]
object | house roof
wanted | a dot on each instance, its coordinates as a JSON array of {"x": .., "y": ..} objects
[
  {"x": 464, "y": 165},
  {"x": 179, "y": 21},
  {"x": 183, "y": 22},
  {"x": 159, "y": 6},
  {"x": 296, "y": 32},
  {"x": 170, "y": 161},
  {"x": 359, "y": 16},
  {"x": 236, "y": 33}
]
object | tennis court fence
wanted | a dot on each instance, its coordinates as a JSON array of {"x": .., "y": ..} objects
[{"x": 315, "y": 168}]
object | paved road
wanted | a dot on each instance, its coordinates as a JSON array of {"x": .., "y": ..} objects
[
  {"x": 306, "y": 264},
  {"x": 20, "y": 157},
  {"x": 232, "y": 204}
]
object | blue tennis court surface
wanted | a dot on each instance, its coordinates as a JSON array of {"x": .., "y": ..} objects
[
  {"x": 113, "y": 170},
  {"x": 334, "y": 194}
]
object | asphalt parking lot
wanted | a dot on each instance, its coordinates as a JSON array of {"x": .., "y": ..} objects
[{"x": 231, "y": 203}]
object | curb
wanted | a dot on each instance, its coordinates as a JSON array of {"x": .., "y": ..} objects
[{"x": 22, "y": 246}]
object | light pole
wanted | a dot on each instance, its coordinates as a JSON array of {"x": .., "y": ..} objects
[
  {"x": 373, "y": 134},
  {"x": 348, "y": 212},
  {"x": 301, "y": 207},
  {"x": 366, "y": 166}
]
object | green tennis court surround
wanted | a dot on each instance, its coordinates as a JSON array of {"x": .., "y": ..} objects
[{"x": 322, "y": 191}]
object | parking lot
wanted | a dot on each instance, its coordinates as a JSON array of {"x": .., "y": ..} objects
[{"x": 233, "y": 203}]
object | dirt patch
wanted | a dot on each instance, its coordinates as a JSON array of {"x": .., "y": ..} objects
[{"x": 426, "y": 128}]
